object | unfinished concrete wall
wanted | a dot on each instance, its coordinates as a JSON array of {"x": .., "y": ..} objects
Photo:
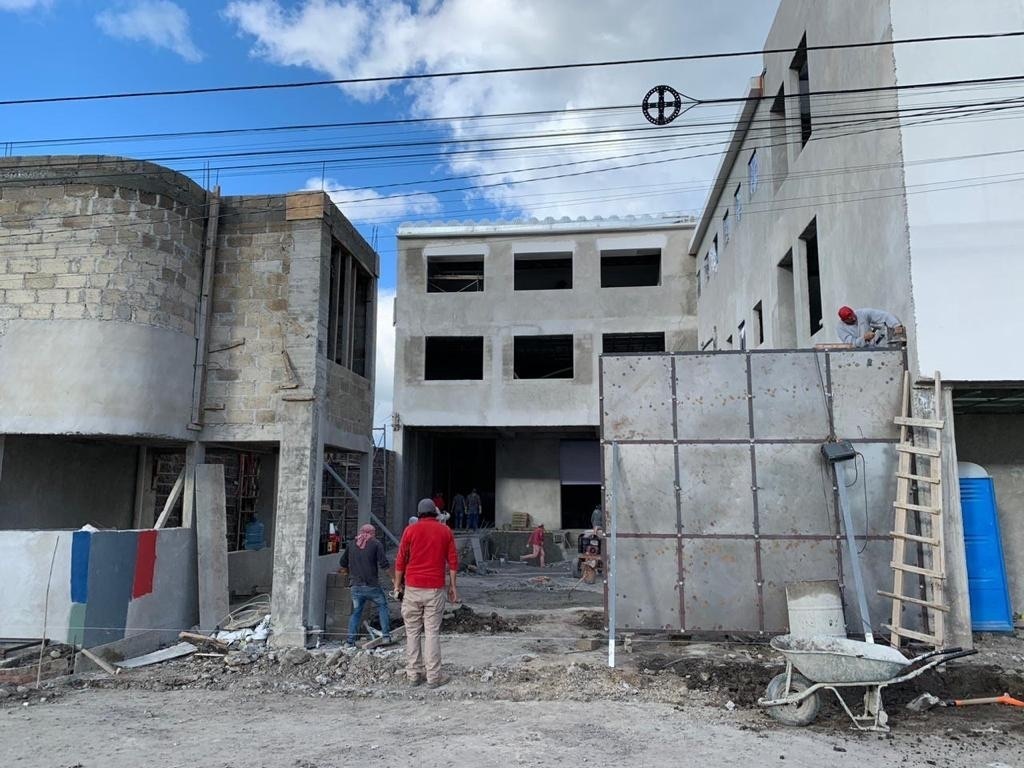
[
  {"x": 60, "y": 482},
  {"x": 99, "y": 275},
  {"x": 721, "y": 493},
  {"x": 527, "y": 475},
  {"x": 996, "y": 442},
  {"x": 105, "y": 585}
]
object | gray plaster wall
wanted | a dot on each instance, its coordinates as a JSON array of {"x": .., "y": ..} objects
[
  {"x": 996, "y": 442},
  {"x": 53, "y": 482},
  {"x": 850, "y": 180},
  {"x": 527, "y": 480},
  {"x": 499, "y": 313},
  {"x": 172, "y": 605}
]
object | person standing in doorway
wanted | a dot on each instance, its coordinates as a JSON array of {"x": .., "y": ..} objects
[
  {"x": 536, "y": 545},
  {"x": 474, "y": 508},
  {"x": 459, "y": 510},
  {"x": 362, "y": 563},
  {"x": 597, "y": 519},
  {"x": 424, "y": 552}
]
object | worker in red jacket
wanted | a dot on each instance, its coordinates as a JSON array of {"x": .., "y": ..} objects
[{"x": 423, "y": 553}]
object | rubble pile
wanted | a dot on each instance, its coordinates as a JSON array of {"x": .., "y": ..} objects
[{"x": 464, "y": 620}]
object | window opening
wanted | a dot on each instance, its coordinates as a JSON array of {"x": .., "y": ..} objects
[
  {"x": 337, "y": 305},
  {"x": 618, "y": 343},
  {"x": 726, "y": 228},
  {"x": 453, "y": 358},
  {"x": 631, "y": 267},
  {"x": 741, "y": 334},
  {"x": 737, "y": 202},
  {"x": 714, "y": 254},
  {"x": 799, "y": 66},
  {"x": 784, "y": 284},
  {"x": 752, "y": 173},
  {"x": 780, "y": 144},
  {"x": 361, "y": 320},
  {"x": 758, "y": 324},
  {"x": 446, "y": 274},
  {"x": 543, "y": 357},
  {"x": 543, "y": 271},
  {"x": 810, "y": 241}
]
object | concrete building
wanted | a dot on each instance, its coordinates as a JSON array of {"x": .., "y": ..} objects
[
  {"x": 894, "y": 196},
  {"x": 499, "y": 328},
  {"x": 147, "y": 327}
]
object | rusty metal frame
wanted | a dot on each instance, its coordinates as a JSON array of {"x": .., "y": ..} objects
[{"x": 825, "y": 363}]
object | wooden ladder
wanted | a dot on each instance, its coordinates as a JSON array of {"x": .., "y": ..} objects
[{"x": 918, "y": 506}]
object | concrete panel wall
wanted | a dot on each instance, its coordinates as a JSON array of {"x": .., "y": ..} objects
[
  {"x": 527, "y": 480},
  {"x": 734, "y": 500},
  {"x": 95, "y": 377},
  {"x": 996, "y": 442},
  {"x": 55, "y": 482},
  {"x": 105, "y": 586}
]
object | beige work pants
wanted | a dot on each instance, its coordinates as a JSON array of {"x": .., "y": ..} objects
[{"x": 422, "y": 610}]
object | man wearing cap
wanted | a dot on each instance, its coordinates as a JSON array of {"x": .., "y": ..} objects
[
  {"x": 867, "y": 327},
  {"x": 425, "y": 550}
]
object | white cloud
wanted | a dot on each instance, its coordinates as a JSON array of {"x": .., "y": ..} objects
[
  {"x": 360, "y": 38},
  {"x": 160, "y": 22},
  {"x": 24, "y": 5},
  {"x": 366, "y": 205},
  {"x": 383, "y": 405}
]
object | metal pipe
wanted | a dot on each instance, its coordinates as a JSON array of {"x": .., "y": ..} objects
[
  {"x": 205, "y": 300},
  {"x": 851, "y": 544}
]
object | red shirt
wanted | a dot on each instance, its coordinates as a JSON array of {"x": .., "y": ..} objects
[
  {"x": 426, "y": 547},
  {"x": 537, "y": 537}
]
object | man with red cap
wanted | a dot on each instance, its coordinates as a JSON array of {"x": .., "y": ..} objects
[{"x": 867, "y": 327}]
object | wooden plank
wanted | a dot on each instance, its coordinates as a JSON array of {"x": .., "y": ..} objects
[
  {"x": 907, "y": 448},
  {"x": 199, "y": 639},
  {"x": 912, "y": 635},
  {"x": 899, "y": 546},
  {"x": 914, "y": 537},
  {"x": 914, "y": 600},
  {"x": 917, "y": 507},
  {"x": 935, "y": 480},
  {"x": 917, "y": 570},
  {"x": 179, "y": 484},
  {"x": 101, "y": 663},
  {"x": 912, "y": 421}
]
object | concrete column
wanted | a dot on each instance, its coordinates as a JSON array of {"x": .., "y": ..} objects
[
  {"x": 143, "y": 517},
  {"x": 296, "y": 528},
  {"x": 212, "y": 547},
  {"x": 195, "y": 454}
]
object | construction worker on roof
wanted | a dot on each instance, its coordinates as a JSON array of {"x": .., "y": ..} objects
[{"x": 868, "y": 327}]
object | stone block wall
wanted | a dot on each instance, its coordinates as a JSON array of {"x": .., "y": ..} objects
[
  {"x": 246, "y": 362},
  {"x": 349, "y": 400},
  {"x": 99, "y": 238}
]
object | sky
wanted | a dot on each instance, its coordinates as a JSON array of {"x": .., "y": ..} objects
[{"x": 460, "y": 161}]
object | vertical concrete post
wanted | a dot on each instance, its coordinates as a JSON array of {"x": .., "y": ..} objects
[
  {"x": 366, "y": 486},
  {"x": 958, "y": 623},
  {"x": 195, "y": 454},
  {"x": 212, "y": 547},
  {"x": 296, "y": 529}
]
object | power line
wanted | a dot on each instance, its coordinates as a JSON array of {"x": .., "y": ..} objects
[{"x": 501, "y": 70}]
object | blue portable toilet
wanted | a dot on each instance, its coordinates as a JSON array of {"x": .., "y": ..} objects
[{"x": 986, "y": 571}]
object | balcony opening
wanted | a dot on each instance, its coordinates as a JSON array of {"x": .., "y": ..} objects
[
  {"x": 543, "y": 271},
  {"x": 543, "y": 357},
  {"x": 631, "y": 267},
  {"x": 453, "y": 358},
  {"x": 810, "y": 241},
  {"x": 455, "y": 274},
  {"x": 784, "y": 285},
  {"x": 621, "y": 343}
]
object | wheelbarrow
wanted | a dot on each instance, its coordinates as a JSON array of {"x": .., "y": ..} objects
[{"x": 814, "y": 664}]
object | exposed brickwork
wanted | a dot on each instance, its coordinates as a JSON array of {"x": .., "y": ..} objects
[{"x": 97, "y": 250}]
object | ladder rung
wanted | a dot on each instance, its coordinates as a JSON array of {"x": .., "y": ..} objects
[
  {"x": 912, "y": 635},
  {"x": 917, "y": 507},
  {"x": 914, "y": 537},
  {"x": 919, "y": 478},
  {"x": 905, "y": 421},
  {"x": 915, "y": 601},
  {"x": 918, "y": 571},
  {"x": 908, "y": 448}
]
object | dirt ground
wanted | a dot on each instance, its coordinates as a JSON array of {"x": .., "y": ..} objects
[{"x": 521, "y": 694}]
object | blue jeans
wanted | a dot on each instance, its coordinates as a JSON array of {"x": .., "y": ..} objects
[
  {"x": 460, "y": 519},
  {"x": 360, "y": 596},
  {"x": 474, "y": 520}
]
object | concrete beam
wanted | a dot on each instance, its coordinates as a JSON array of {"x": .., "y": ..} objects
[
  {"x": 212, "y": 548},
  {"x": 195, "y": 454}
]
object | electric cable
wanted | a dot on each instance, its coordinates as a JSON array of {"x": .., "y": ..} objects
[{"x": 503, "y": 70}]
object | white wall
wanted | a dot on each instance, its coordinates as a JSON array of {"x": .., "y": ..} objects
[
  {"x": 966, "y": 232},
  {"x": 25, "y": 558}
]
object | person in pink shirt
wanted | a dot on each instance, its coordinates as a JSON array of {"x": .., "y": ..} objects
[{"x": 536, "y": 544}]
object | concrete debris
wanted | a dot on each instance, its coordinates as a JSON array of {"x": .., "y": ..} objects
[
  {"x": 730, "y": 706},
  {"x": 295, "y": 656},
  {"x": 923, "y": 703},
  {"x": 464, "y": 620},
  {"x": 165, "y": 654}
]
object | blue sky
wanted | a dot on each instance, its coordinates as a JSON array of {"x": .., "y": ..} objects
[{"x": 73, "y": 47}]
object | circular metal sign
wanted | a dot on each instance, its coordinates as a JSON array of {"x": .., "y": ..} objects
[{"x": 662, "y": 104}]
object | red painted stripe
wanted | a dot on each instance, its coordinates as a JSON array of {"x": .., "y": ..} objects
[{"x": 145, "y": 564}]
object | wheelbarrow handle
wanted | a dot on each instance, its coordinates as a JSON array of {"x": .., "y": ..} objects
[{"x": 933, "y": 659}]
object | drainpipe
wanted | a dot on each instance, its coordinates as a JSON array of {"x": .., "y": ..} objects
[{"x": 203, "y": 322}]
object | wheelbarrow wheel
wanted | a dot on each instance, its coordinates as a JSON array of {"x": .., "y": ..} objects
[{"x": 804, "y": 712}]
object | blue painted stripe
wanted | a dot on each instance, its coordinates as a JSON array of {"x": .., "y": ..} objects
[{"x": 80, "y": 541}]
